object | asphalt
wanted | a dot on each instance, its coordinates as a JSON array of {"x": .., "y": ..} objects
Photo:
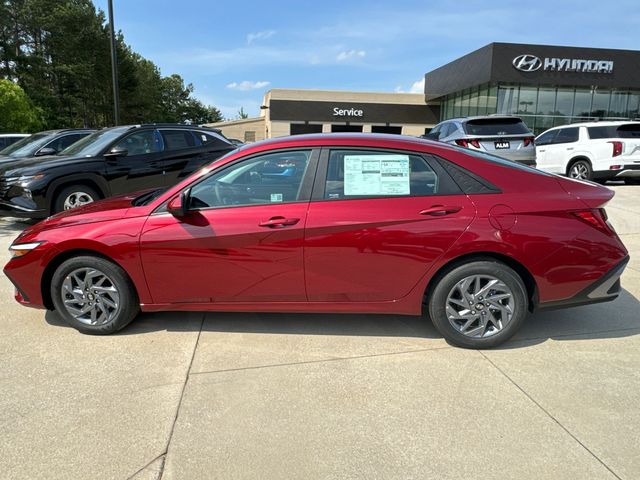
[{"x": 271, "y": 396}]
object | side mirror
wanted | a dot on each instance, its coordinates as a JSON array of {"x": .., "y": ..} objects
[
  {"x": 179, "y": 206},
  {"x": 46, "y": 151},
  {"x": 117, "y": 152}
]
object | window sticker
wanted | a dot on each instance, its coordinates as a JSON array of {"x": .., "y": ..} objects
[
  {"x": 382, "y": 174},
  {"x": 276, "y": 197}
]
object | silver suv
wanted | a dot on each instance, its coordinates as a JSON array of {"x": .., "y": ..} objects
[{"x": 505, "y": 136}]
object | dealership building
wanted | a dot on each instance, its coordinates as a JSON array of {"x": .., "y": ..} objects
[{"x": 545, "y": 85}]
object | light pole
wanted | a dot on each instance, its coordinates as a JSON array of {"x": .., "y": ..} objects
[{"x": 114, "y": 68}]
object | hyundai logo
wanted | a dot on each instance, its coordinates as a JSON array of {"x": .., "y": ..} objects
[{"x": 527, "y": 63}]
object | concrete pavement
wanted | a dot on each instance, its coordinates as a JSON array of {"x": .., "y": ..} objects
[{"x": 187, "y": 396}]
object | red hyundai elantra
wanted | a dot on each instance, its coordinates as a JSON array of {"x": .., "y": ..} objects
[{"x": 333, "y": 223}]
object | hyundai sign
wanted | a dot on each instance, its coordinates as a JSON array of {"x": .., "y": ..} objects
[{"x": 531, "y": 63}]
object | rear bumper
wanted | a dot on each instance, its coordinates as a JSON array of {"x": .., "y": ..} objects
[
  {"x": 606, "y": 289},
  {"x": 627, "y": 171}
]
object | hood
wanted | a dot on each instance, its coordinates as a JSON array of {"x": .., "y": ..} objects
[
  {"x": 113, "y": 208},
  {"x": 10, "y": 166}
]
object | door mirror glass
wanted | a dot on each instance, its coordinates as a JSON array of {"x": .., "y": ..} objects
[
  {"x": 46, "y": 151},
  {"x": 117, "y": 152},
  {"x": 178, "y": 206}
]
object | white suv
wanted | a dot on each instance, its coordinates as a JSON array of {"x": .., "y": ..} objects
[{"x": 598, "y": 151}]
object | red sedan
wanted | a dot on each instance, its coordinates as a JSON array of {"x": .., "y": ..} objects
[{"x": 333, "y": 223}]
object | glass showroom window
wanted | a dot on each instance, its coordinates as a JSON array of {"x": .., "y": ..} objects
[
  {"x": 527, "y": 101},
  {"x": 564, "y": 106},
  {"x": 507, "y": 99},
  {"x": 473, "y": 102},
  {"x": 600, "y": 104},
  {"x": 545, "y": 109},
  {"x": 483, "y": 94},
  {"x": 492, "y": 100},
  {"x": 582, "y": 103},
  {"x": 618, "y": 106},
  {"x": 633, "y": 106}
]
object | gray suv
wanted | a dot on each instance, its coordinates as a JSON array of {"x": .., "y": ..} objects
[{"x": 505, "y": 136}]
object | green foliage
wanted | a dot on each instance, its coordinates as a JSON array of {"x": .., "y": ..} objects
[
  {"x": 58, "y": 52},
  {"x": 242, "y": 114},
  {"x": 17, "y": 113}
]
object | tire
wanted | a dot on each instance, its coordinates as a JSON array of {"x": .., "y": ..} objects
[
  {"x": 447, "y": 292},
  {"x": 580, "y": 169},
  {"x": 113, "y": 299},
  {"x": 80, "y": 194}
]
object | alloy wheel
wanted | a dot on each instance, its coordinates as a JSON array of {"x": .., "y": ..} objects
[
  {"x": 480, "y": 306},
  {"x": 76, "y": 199},
  {"x": 579, "y": 171},
  {"x": 90, "y": 296}
]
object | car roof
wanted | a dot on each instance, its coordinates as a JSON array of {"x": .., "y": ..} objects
[
  {"x": 14, "y": 134},
  {"x": 481, "y": 117},
  {"x": 607, "y": 123}
]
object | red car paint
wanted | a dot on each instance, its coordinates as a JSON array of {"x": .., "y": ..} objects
[{"x": 358, "y": 255}]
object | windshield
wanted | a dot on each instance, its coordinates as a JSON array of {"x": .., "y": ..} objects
[
  {"x": 93, "y": 144},
  {"x": 27, "y": 146}
]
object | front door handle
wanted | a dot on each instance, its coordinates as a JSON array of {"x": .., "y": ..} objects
[
  {"x": 279, "y": 222},
  {"x": 569, "y": 148},
  {"x": 440, "y": 210}
]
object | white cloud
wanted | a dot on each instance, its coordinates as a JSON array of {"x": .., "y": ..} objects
[
  {"x": 416, "y": 87},
  {"x": 347, "y": 55},
  {"x": 252, "y": 37},
  {"x": 247, "y": 85}
]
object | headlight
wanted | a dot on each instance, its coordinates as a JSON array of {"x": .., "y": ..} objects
[
  {"x": 21, "y": 249},
  {"x": 24, "y": 179}
]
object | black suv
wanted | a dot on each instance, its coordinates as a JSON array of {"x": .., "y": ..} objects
[
  {"x": 50, "y": 142},
  {"x": 109, "y": 162}
]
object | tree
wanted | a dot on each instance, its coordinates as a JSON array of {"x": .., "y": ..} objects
[
  {"x": 242, "y": 114},
  {"x": 17, "y": 112}
]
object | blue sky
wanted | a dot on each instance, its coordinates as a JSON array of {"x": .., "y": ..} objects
[{"x": 233, "y": 52}]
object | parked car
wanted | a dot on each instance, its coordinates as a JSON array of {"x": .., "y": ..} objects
[
  {"x": 108, "y": 162},
  {"x": 7, "y": 139},
  {"x": 598, "y": 151},
  {"x": 505, "y": 136},
  {"x": 50, "y": 142},
  {"x": 333, "y": 223}
]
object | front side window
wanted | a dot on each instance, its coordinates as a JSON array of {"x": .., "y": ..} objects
[
  {"x": 355, "y": 173},
  {"x": 567, "y": 135},
  {"x": 546, "y": 138},
  {"x": 139, "y": 143},
  {"x": 265, "y": 179},
  {"x": 65, "y": 141}
]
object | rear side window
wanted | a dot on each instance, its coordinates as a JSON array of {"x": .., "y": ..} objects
[
  {"x": 210, "y": 138},
  {"x": 496, "y": 126},
  {"x": 566, "y": 135},
  {"x": 177, "y": 139},
  {"x": 629, "y": 130},
  {"x": 364, "y": 174}
]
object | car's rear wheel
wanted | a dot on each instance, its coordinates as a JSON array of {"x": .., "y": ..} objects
[
  {"x": 74, "y": 196},
  {"x": 580, "y": 170},
  {"x": 479, "y": 304},
  {"x": 94, "y": 295}
]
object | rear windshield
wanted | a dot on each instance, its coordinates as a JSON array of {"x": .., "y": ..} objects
[
  {"x": 501, "y": 161},
  {"x": 628, "y": 130},
  {"x": 496, "y": 126}
]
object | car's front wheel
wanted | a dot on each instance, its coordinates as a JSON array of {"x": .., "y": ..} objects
[
  {"x": 479, "y": 304},
  {"x": 74, "y": 196},
  {"x": 580, "y": 170},
  {"x": 94, "y": 295}
]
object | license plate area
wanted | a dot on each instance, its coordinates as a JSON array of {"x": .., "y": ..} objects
[{"x": 502, "y": 145}]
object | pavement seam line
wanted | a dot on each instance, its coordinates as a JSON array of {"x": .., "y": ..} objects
[
  {"x": 336, "y": 359},
  {"x": 546, "y": 412},
  {"x": 184, "y": 388},
  {"x": 145, "y": 466}
]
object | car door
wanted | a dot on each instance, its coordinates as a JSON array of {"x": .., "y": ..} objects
[
  {"x": 242, "y": 239},
  {"x": 561, "y": 149},
  {"x": 377, "y": 220},
  {"x": 140, "y": 167},
  {"x": 542, "y": 142}
]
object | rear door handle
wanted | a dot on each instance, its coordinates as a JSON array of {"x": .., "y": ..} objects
[
  {"x": 279, "y": 222},
  {"x": 440, "y": 210},
  {"x": 569, "y": 148}
]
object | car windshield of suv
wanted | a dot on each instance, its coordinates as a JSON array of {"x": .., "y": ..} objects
[
  {"x": 93, "y": 144},
  {"x": 496, "y": 126},
  {"x": 27, "y": 146}
]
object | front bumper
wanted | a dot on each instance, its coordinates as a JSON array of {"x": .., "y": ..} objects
[
  {"x": 10, "y": 209},
  {"x": 605, "y": 289}
]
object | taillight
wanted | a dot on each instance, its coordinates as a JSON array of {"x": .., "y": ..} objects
[
  {"x": 465, "y": 143},
  {"x": 528, "y": 141},
  {"x": 617, "y": 148},
  {"x": 597, "y": 218}
]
